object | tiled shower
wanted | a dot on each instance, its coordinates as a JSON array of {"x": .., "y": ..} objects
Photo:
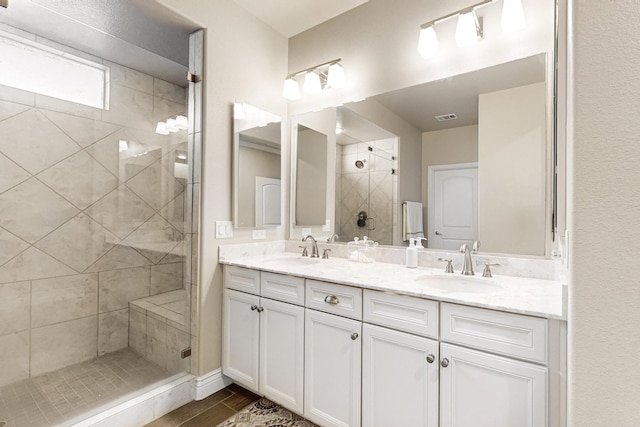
[
  {"x": 370, "y": 188},
  {"x": 92, "y": 230}
]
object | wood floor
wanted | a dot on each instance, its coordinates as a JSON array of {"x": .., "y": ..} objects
[{"x": 210, "y": 411}]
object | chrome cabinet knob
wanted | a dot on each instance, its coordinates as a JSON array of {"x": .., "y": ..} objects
[
  {"x": 331, "y": 299},
  {"x": 254, "y": 307},
  {"x": 431, "y": 358},
  {"x": 354, "y": 336},
  {"x": 444, "y": 362}
]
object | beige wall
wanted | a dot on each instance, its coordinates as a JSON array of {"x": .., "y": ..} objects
[
  {"x": 512, "y": 153},
  {"x": 603, "y": 206},
  {"x": 445, "y": 147},
  {"x": 245, "y": 61}
]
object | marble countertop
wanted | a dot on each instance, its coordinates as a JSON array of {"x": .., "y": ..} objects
[{"x": 535, "y": 297}]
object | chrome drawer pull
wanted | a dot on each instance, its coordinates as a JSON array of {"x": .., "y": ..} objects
[{"x": 331, "y": 299}]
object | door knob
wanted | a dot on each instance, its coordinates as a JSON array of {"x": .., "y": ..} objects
[
  {"x": 431, "y": 358},
  {"x": 444, "y": 362}
]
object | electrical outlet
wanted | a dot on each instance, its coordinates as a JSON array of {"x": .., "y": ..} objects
[
  {"x": 259, "y": 234},
  {"x": 224, "y": 229}
]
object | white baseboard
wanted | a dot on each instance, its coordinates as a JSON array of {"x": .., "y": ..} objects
[{"x": 210, "y": 383}]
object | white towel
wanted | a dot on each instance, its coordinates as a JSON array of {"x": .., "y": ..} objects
[{"x": 412, "y": 220}]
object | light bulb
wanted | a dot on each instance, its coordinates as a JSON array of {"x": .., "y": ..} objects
[
  {"x": 512, "y": 16},
  {"x": 466, "y": 30},
  {"x": 171, "y": 125},
  {"x": 428, "y": 43},
  {"x": 161, "y": 128},
  {"x": 336, "y": 78},
  {"x": 312, "y": 83},
  {"x": 182, "y": 122},
  {"x": 291, "y": 90}
]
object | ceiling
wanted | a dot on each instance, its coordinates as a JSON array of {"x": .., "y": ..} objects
[
  {"x": 290, "y": 17},
  {"x": 418, "y": 105}
]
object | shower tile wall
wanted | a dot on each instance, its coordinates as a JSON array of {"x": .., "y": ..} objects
[
  {"x": 353, "y": 190},
  {"x": 87, "y": 222}
]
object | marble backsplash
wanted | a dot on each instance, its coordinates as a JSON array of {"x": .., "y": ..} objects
[{"x": 535, "y": 268}]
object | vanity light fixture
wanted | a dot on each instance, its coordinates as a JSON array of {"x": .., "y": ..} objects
[
  {"x": 468, "y": 30},
  {"x": 316, "y": 79},
  {"x": 172, "y": 125},
  {"x": 312, "y": 84},
  {"x": 513, "y": 16},
  {"x": 469, "y": 26}
]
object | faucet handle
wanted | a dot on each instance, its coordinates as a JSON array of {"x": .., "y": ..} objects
[
  {"x": 304, "y": 250},
  {"x": 487, "y": 269},
  {"x": 475, "y": 247},
  {"x": 325, "y": 253},
  {"x": 449, "y": 267}
]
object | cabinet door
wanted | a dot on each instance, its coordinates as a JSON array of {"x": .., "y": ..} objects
[
  {"x": 332, "y": 369},
  {"x": 482, "y": 390},
  {"x": 240, "y": 338},
  {"x": 399, "y": 379},
  {"x": 282, "y": 353}
]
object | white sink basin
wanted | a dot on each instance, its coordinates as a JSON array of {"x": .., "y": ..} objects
[
  {"x": 293, "y": 260},
  {"x": 457, "y": 283}
]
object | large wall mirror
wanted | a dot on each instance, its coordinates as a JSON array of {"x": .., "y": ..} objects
[
  {"x": 257, "y": 189},
  {"x": 486, "y": 143},
  {"x": 312, "y": 163}
]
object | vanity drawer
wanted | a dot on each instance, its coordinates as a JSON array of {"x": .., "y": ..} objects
[
  {"x": 404, "y": 313},
  {"x": 337, "y": 299},
  {"x": 282, "y": 288},
  {"x": 514, "y": 335},
  {"x": 242, "y": 279}
]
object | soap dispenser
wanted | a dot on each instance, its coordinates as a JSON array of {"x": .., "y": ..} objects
[
  {"x": 419, "y": 242},
  {"x": 412, "y": 254}
]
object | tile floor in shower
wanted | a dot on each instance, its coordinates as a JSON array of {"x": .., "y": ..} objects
[{"x": 60, "y": 397}]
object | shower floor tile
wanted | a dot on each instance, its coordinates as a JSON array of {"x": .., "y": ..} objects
[{"x": 58, "y": 398}]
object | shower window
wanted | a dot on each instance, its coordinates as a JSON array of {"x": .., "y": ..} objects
[{"x": 31, "y": 66}]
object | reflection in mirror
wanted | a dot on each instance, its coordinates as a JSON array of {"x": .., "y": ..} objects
[
  {"x": 311, "y": 177},
  {"x": 257, "y": 165},
  {"x": 496, "y": 120},
  {"x": 366, "y": 180}
]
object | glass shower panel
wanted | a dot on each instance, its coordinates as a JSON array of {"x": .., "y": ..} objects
[{"x": 92, "y": 246}]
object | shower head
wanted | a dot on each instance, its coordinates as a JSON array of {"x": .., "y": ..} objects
[{"x": 360, "y": 163}]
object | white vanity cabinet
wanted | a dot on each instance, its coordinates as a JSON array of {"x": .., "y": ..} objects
[
  {"x": 333, "y": 354},
  {"x": 263, "y": 339},
  {"x": 493, "y": 387},
  {"x": 400, "y": 361}
]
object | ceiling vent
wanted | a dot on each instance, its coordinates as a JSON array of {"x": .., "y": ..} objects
[{"x": 445, "y": 117}]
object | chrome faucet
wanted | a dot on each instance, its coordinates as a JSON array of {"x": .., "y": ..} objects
[
  {"x": 314, "y": 248},
  {"x": 467, "y": 267},
  {"x": 332, "y": 238}
]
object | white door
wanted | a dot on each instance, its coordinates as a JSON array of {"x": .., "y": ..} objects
[
  {"x": 267, "y": 201},
  {"x": 282, "y": 353},
  {"x": 482, "y": 390},
  {"x": 332, "y": 387},
  {"x": 240, "y": 338},
  {"x": 399, "y": 379},
  {"x": 453, "y": 205}
]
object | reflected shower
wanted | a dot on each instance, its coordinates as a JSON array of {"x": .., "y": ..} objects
[{"x": 360, "y": 163}]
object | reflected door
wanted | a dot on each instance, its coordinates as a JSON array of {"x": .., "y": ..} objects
[
  {"x": 267, "y": 201},
  {"x": 453, "y": 205}
]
